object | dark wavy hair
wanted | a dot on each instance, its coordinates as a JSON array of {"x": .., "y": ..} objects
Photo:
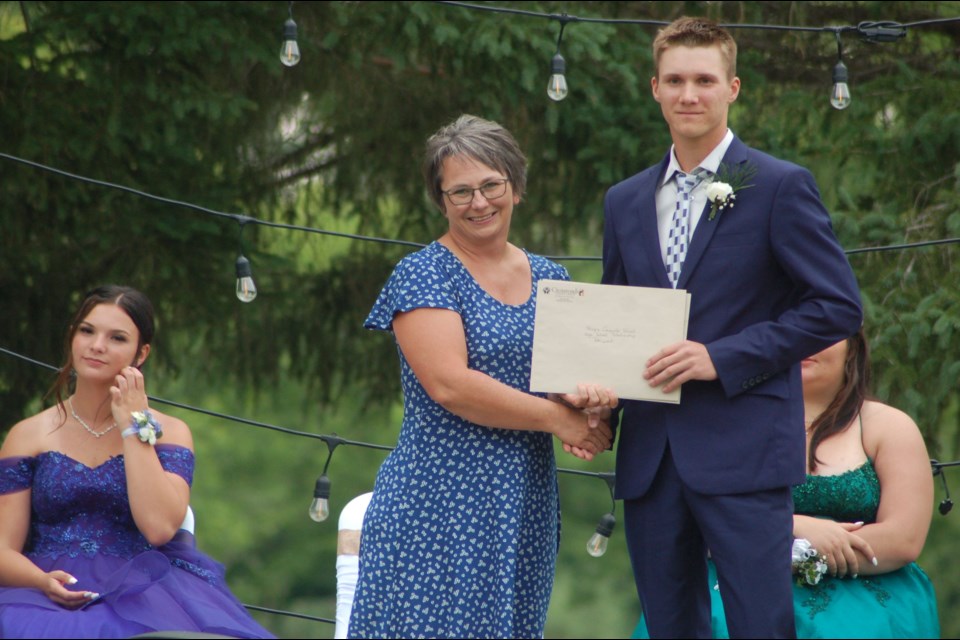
[
  {"x": 846, "y": 405},
  {"x": 134, "y": 303}
]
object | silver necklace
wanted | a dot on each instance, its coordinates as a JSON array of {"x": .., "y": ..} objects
[{"x": 83, "y": 424}]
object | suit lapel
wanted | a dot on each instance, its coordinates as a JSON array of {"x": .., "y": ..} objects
[
  {"x": 649, "y": 231},
  {"x": 736, "y": 154}
]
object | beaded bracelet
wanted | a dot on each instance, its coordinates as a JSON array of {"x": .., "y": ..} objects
[{"x": 144, "y": 426}]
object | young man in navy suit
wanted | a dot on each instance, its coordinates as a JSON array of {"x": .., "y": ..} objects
[{"x": 769, "y": 285}]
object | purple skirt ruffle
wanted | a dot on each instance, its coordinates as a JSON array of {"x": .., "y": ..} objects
[{"x": 172, "y": 588}]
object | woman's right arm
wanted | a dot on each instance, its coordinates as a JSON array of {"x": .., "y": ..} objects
[
  {"x": 434, "y": 344},
  {"x": 16, "y": 570}
]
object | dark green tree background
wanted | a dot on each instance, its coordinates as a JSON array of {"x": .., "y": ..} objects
[{"x": 187, "y": 100}]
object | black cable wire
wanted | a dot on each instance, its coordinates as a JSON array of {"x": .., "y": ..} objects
[
  {"x": 897, "y": 247},
  {"x": 331, "y": 440},
  {"x": 239, "y": 218},
  {"x": 244, "y": 219},
  {"x": 291, "y": 614},
  {"x": 565, "y": 18}
]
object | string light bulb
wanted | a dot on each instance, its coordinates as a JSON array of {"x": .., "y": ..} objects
[
  {"x": 290, "y": 50},
  {"x": 946, "y": 504},
  {"x": 557, "y": 87},
  {"x": 320, "y": 506},
  {"x": 840, "y": 91},
  {"x": 246, "y": 289},
  {"x": 597, "y": 544}
]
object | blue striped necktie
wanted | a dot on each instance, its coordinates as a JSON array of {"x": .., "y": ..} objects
[{"x": 678, "y": 238}]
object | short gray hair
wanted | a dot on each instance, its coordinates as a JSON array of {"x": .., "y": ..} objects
[{"x": 480, "y": 140}]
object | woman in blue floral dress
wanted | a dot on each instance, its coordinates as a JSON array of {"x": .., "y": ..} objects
[{"x": 460, "y": 538}]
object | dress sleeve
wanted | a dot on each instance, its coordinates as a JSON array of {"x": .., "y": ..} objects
[
  {"x": 176, "y": 459},
  {"x": 546, "y": 269},
  {"x": 418, "y": 281},
  {"x": 16, "y": 474}
]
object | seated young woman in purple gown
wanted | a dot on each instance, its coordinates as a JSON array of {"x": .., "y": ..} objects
[{"x": 91, "y": 502}]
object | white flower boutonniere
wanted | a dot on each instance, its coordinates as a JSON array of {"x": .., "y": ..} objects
[
  {"x": 722, "y": 191},
  {"x": 809, "y": 565}
]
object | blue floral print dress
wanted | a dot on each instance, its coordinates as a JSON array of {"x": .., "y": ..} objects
[{"x": 460, "y": 538}]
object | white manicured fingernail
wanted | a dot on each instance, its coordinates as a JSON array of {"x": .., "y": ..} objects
[
  {"x": 874, "y": 560},
  {"x": 71, "y": 580}
]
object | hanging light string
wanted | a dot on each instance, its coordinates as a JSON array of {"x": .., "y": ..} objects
[
  {"x": 331, "y": 440},
  {"x": 872, "y": 32},
  {"x": 239, "y": 218},
  {"x": 867, "y": 28},
  {"x": 243, "y": 220}
]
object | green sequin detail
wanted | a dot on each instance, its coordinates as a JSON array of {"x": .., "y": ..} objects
[
  {"x": 848, "y": 497},
  {"x": 852, "y": 496}
]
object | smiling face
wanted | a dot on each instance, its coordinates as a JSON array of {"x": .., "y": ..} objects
[
  {"x": 481, "y": 220},
  {"x": 695, "y": 91},
  {"x": 105, "y": 342}
]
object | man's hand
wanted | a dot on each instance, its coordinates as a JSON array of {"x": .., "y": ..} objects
[{"x": 676, "y": 363}]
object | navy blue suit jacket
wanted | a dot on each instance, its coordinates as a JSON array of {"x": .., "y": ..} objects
[{"x": 770, "y": 285}]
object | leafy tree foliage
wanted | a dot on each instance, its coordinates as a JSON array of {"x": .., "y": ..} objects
[{"x": 188, "y": 101}]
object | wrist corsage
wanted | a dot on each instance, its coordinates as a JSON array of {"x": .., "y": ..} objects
[
  {"x": 144, "y": 426},
  {"x": 809, "y": 565}
]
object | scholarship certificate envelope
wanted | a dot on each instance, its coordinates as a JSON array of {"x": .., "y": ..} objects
[{"x": 604, "y": 334}]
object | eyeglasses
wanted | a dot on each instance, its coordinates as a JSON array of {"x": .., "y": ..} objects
[{"x": 489, "y": 190}]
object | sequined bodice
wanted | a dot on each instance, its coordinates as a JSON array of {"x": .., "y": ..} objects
[
  {"x": 848, "y": 497},
  {"x": 79, "y": 510}
]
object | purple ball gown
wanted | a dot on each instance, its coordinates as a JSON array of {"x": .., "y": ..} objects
[{"x": 81, "y": 523}]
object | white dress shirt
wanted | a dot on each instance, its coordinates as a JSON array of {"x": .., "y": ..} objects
[{"x": 667, "y": 193}]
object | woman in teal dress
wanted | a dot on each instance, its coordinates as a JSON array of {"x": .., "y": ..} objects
[{"x": 869, "y": 538}]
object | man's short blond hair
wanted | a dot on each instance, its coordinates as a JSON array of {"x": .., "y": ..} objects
[{"x": 696, "y": 32}]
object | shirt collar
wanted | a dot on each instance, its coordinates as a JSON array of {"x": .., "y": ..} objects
[{"x": 711, "y": 163}]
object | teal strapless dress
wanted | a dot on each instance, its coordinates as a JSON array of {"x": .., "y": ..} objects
[{"x": 899, "y": 604}]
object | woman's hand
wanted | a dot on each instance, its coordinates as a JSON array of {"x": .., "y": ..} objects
[
  {"x": 52, "y": 585},
  {"x": 836, "y": 541},
  {"x": 584, "y": 438},
  {"x": 128, "y": 394}
]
